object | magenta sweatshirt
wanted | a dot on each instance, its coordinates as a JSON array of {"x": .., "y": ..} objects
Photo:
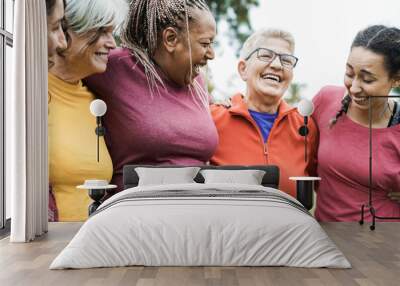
[
  {"x": 172, "y": 127},
  {"x": 343, "y": 163}
]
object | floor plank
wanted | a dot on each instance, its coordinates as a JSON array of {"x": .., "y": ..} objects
[{"x": 375, "y": 257}]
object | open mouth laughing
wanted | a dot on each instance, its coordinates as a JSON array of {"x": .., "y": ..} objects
[
  {"x": 359, "y": 100},
  {"x": 271, "y": 77},
  {"x": 103, "y": 55},
  {"x": 197, "y": 68}
]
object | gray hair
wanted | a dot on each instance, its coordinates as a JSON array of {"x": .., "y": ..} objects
[
  {"x": 87, "y": 15},
  {"x": 253, "y": 41}
]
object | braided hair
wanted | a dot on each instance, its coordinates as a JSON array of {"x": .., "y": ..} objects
[
  {"x": 381, "y": 40},
  {"x": 343, "y": 109},
  {"x": 146, "y": 20}
]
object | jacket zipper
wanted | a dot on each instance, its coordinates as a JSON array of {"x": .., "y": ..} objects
[
  {"x": 269, "y": 138},
  {"x": 266, "y": 152},
  {"x": 265, "y": 146}
]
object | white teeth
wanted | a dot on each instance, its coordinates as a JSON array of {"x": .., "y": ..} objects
[
  {"x": 272, "y": 76},
  {"x": 360, "y": 100}
]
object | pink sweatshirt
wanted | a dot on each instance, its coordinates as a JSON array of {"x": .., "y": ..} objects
[
  {"x": 172, "y": 127},
  {"x": 343, "y": 163}
]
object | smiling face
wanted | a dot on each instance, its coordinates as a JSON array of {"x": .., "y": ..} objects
[
  {"x": 366, "y": 75},
  {"x": 202, "y": 31},
  {"x": 91, "y": 58},
  {"x": 267, "y": 82},
  {"x": 55, "y": 34}
]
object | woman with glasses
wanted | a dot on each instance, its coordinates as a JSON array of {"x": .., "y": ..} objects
[
  {"x": 260, "y": 127},
  {"x": 342, "y": 115}
]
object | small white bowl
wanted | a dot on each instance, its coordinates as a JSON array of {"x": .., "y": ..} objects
[{"x": 94, "y": 184}]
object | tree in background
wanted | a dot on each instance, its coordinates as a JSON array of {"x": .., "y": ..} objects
[
  {"x": 294, "y": 93},
  {"x": 236, "y": 14},
  {"x": 397, "y": 91}
]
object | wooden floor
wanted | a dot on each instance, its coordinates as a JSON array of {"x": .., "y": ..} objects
[{"x": 375, "y": 256}]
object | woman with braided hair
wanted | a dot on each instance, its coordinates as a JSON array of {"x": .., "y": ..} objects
[
  {"x": 158, "y": 108},
  {"x": 341, "y": 113}
]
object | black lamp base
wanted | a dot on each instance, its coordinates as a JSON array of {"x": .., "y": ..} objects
[
  {"x": 305, "y": 193},
  {"x": 96, "y": 195},
  {"x": 305, "y": 190}
]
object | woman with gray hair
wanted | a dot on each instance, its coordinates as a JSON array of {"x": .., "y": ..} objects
[
  {"x": 158, "y": 107},
  {"x": 71, "y": 126},
  {"x": 260, "y": 127}
]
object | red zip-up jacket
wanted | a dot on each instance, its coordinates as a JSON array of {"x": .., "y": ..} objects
[{"x": 241, "y": 141}]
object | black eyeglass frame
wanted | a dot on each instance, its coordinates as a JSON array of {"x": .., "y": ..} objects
[{"x": 275, "y": 54}]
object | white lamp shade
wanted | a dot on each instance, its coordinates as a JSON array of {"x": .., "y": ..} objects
[
  {"x": 305, "y": 107},
  {"x": 98, "y": 107}
]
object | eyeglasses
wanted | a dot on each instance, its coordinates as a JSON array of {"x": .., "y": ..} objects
[{"x": 268, "y": 56}]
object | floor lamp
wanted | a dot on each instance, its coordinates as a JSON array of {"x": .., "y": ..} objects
[
  {"x": 98, "y": 108},
  {"x": 305, "y": 184},
  {"x": 369, "y": 204}
]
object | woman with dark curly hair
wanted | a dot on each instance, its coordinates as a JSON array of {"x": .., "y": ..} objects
[
  {"x": 55, "y": 34},
  {"x": 341, "y": 113}
]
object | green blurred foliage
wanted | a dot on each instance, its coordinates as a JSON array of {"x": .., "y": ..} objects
[
  {"x": 236, "y": 14},
  {"x": 294, "y": 94},
  {"x": 397, "y": 91}
]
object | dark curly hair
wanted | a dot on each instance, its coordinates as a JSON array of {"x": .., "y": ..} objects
[{"x": 381, "y": 40}]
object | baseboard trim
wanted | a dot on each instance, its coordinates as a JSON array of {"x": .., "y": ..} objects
[{"x": 5, "y": 231}]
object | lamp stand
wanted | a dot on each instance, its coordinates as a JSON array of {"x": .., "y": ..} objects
[
  {"x": 100, "y": 131},
  {"x": 303, "y": 131},
  {"x": 369, "y": 205}
]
